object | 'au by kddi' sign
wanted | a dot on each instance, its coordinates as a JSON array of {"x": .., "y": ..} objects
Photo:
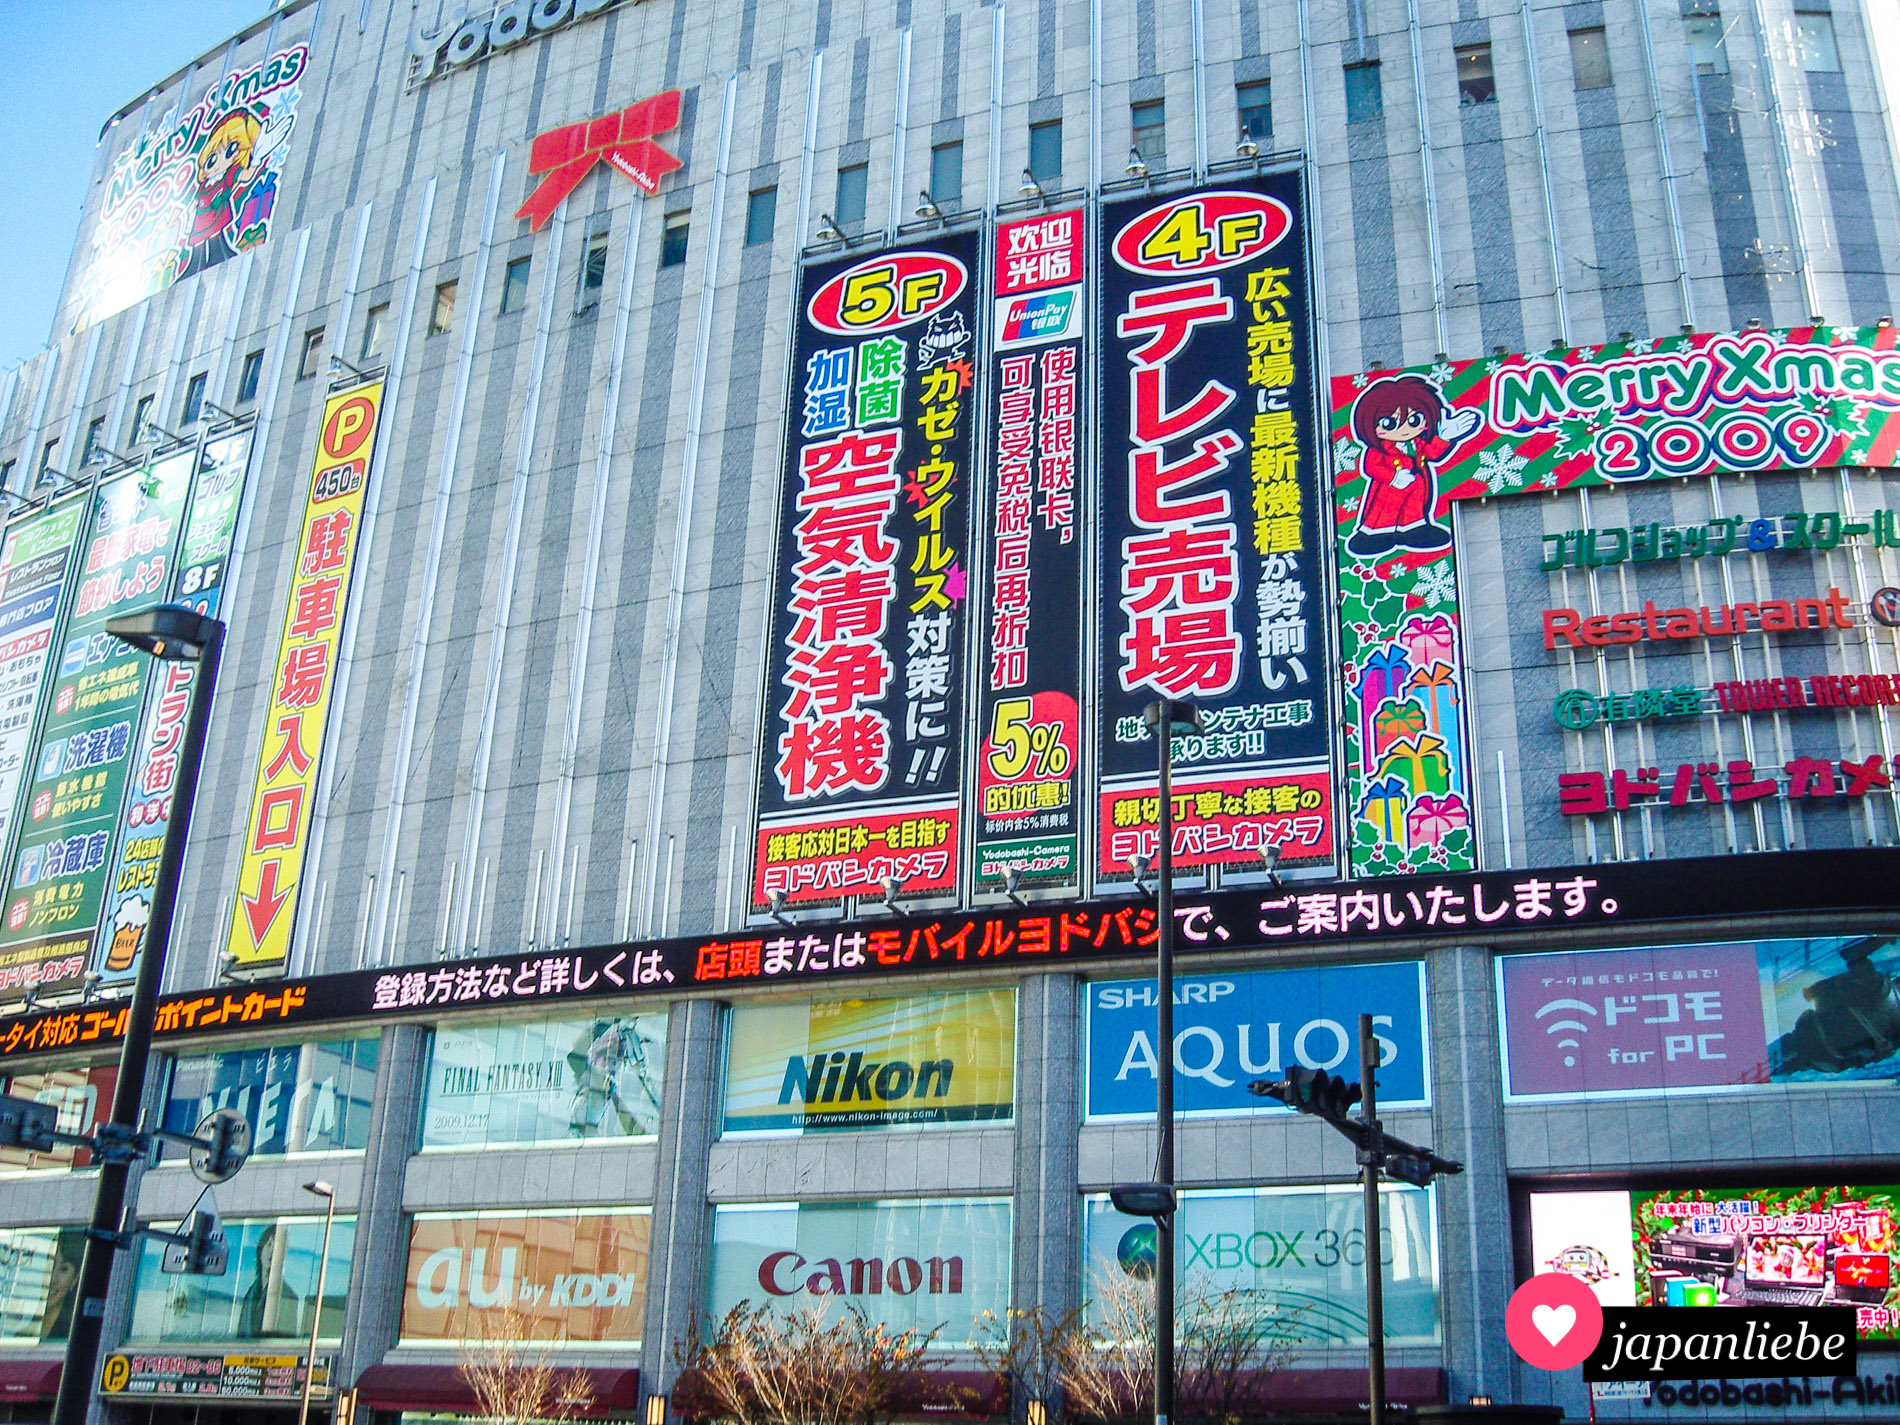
[{"x": 1232, "y": 1029}]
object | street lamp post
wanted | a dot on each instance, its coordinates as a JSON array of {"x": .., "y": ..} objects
[
  {"x": 177, "y": 634},
  {"x": 328, "y": 1194},
  {"x": 1165, "y": 717}
]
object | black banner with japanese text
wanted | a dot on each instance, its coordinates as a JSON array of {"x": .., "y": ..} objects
[
  {"x": 1211, "y": 584},
  {"x": 862, "y": 772},
  {"x": 1617, "y": 903},
  {"x": 1029, "y": 673}
]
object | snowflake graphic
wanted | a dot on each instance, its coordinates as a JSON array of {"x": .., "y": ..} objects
[
  {"x": 1351, "y": 504},
  {"x": 1548, "y": 480},
  {"x": 1441, "y": 373},
  {"x": 1345, "y": 454},
  {"x": 1501, "y": 469},
  {"x": 1642, "y": 346},
  {"x": 1436, "y": 584},
  {"x": 1361, "y": 380}
]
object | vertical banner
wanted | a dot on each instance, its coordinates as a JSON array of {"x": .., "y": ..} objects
[
  {"x": 864, "y": 716},
  {"x": 33, "y": 562},
  {"x": 1029, "y": 672},
  {"x": 210, "y": 525},
  {"x": 1211, "y": 586},
  {"x": 275, "y": 837},
  {"x": 80, "y": 767}
]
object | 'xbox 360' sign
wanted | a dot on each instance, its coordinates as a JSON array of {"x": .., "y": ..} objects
[{"x": 466, "y": 33}]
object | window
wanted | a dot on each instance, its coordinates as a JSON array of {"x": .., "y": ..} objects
[
  {"x": 195, "y": 396},
  {"x": 1590, "y": 58},
  {"x": 47, "y": 452},
  {"x": 1814, "y": 32},
  {"x": 6, "y": 474},
  {"x": 95, "y": 440},
  {"x": 1702, "y": 33},
  {"x": 515, "y": 1082},
  {"x": 297, "y": 1098},
  {"x": 1475, "y": 82},
  {"x": 594, "y": 268},
  {"x": 946, "y": 174},
  {"x": 1148, "y": 123},
  {"x": 1045, "y": 151},
  {"x": 312, "y": 349},
  {"x": 265, "y": 1294},
  {"x": 442, "y": 314},
  {"x": 40, "y": 1284},
  {"x": 1255, "y": 101},
  {"x": 142, "y": 420},
  {"x": 375, "y": 332},
  {"x": 761, "y": 216},
  {"x": 1363, "y": 101},
  {"x": 514, "y": 284},
  {"x": 849, "y": 207},
  {"x": 248, "y": 377},
  {"x": 673, "y": 237}
]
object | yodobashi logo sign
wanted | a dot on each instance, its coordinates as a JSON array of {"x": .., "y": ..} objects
[
  {"x": 1044, "y": 316},
  {"x": 1205, "y": 232},
  {"x": 1231, "y": 1029},
  {"x": 464, "y": 33},
  {"x": 785, "y": 1273},
  {"x": 886, "y": 293}
]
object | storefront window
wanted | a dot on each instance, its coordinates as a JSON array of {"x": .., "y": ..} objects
[
  {"x": 1300, "y": 1252},
  {"x": 825, "y": 1065},
  {"x": 525, "y": 1081},
  {"x": 923, "y": 1264},
  {"x": 84, "y": 1100},
  {"x": 577, "y": 1276},
  {"x": 266, "y": 1294},
  {"x": 39, "y": 1272},
  {"x": 1701, "y": 1018},
  {"x": 299, "y": 1098}
]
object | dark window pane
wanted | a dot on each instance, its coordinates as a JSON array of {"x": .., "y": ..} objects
[
  {"x": 761, "y": 216},
  {"x": 1045, "y": 151},
  {"x": 1256, "y": 110},
  {"x": 248, "y": 377},
  {"x": 1149, "y": 125},
  {"x": 1363, "y": 100},
  {"x": 195, "y": 393},
  {"x": 1476, "y": 84},
  {"x": 514, "y": 284},
  {"x": 594, "y": 267},
  {"x": 850, "y": 204},
  {"x": 673, "y": 239},
  {"x": 1590, "y": 58},
  {"x": 946, "y": 174},
  {"x": 442, "y": 314}
]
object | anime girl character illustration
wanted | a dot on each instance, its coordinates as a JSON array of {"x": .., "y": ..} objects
[
  {"x": 1407, "y": 427},
  {"x": 236, "y": 186}
]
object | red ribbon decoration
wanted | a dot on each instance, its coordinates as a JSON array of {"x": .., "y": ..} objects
[{"x": 623, "y": 139}]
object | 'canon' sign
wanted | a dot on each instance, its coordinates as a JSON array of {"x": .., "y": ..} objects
[{"x": 786, "y": 1273}]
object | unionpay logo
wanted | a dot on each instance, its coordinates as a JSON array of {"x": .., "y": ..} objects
[{"x": 1043, "y": 316}]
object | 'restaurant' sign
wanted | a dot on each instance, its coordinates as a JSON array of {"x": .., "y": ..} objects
[
  {"x": 1507, "y": 908},
  {"x": 862, "y": 769},
  {"x": 1210, "y": 540}
]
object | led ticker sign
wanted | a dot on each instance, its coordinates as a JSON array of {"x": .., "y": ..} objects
[{"x": 1500, "y": 905}]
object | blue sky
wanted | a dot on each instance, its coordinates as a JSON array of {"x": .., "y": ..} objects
[{"x": 68, "y": 67}]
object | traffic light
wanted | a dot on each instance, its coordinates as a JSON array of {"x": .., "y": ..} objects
[
  {"x": 1311, "y": 1091},
  {"x": 1417, "y": 1166},
  {"x": 199, "y": 1251},
  {"x": 27, "y": 1124}
]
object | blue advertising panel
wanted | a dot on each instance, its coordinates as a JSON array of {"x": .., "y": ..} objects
[{"x": 1232, "y": 1029}]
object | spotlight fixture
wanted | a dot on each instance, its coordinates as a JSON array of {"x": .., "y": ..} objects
[
  {"x": 892, "y": 888},
  {"x": 1687, "y": 328},
  {"x": 776, "y": 900},
  {"x": 1013, "y": 883},
  {"x": 1137, "y": 166},
  {"x": 1626, "y": 336},
  {"x": 1029, "y": 188},
  {"x": 1884, "y": 322},
  {"x": 1139, "y": 864},
  {"x": 1246, "y": 148},
  {"x": 1270, "y": 857},
  {"x": 927, "y": 207},
  {"x": 337, "y": 367},
  {"x": 828, "y": 229}
]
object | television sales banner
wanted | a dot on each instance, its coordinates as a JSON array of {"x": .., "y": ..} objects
[
  {"x": 1408, "y": 444},
  {"x": 81, "y": 763},
  {"x": 33, "y": 563},
  {"x": 1211, "y": 585},
  {"x": 275, "y": 839},
  {"x": 1029, "y": 674},
  {"x": 198, "y": 581},
  {"x": 864, "y": 705}
]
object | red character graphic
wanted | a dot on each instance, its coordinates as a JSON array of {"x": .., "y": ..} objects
[
  {"x": 237, "y": 187},
  {"x": 1407, "y": 428}
]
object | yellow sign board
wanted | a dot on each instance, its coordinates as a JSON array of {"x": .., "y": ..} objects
[{"x": 276, "y": 836}]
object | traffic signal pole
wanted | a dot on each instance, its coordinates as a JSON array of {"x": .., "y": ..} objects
[
  {"x": 1164, "y": 1076},
  {"x": 1369, "y": 1157}
]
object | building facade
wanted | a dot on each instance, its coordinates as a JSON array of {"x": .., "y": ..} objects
[{"x": 702, "y": 497}]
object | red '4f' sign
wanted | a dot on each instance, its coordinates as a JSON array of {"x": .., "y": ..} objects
[{"x": 622, "y": 139}]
